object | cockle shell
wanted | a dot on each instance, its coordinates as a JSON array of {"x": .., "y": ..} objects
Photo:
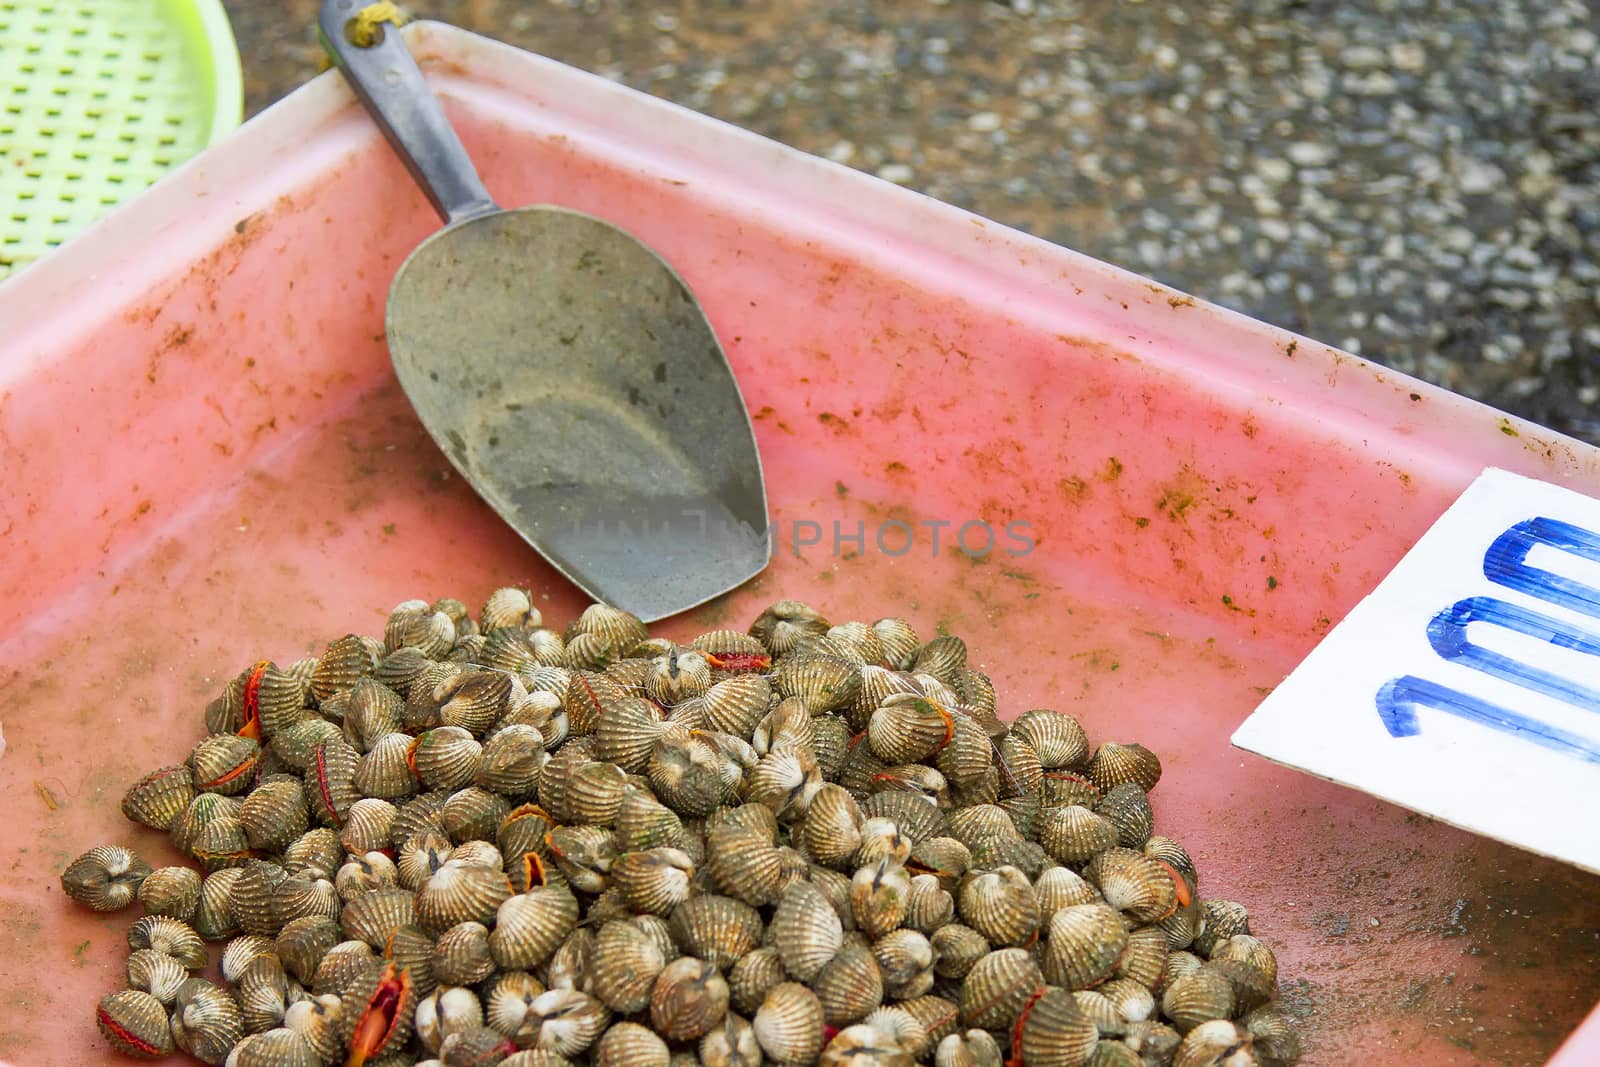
[
  {"x": 1128, "y": 809},
  {"x": 908, "y": 728},
  {"x": 1054, "y": 1033},
  {"x": 975, "y": 1048},
  {"x": 1114, "y": 762},
  {"x": 172, "y": 936},
  {"x": 1197, "y": 997},
  {"x": 135, "y": 1023},
  {"x": 1074, "y": 834},
  {"x": 509, "y": 607},
  {"x": 956, "y": 948},
  {"x": 1000, "y": 905},
  {"x": 278, "y": 1047},
  {"x": 158, "y": 798},
  {"x": 171, "y": 891},
  {"x": 718, "y": 928},
  {"x": 225, "y": 763},
  {"x": 461, "y": 955},
  {"x": 823, "y": 682},
  {"x": 1062, "y": 887},
  {"x": 330, "y": 780},
  {"x": 317, "y": 1020},
  {"x": 997, "y": 987},
  {"x": 341, "y": 966},
  {"x": 297, "y": 897},
  {"x": 1132, "y": 882},
  {"x": 1145, "y": 958},
  {"x": 374, "y": 916},
  {"x": 1154, "y": 1042},
  {"x": 1275, "y": 1040},
  {"x": 303, "y": 942},
  {"x": 831, "y": 831},
  {"x": 1085, "y": 943},
  {"x": 205, "y": 1021},
  {"x": 473, "y": 813},
  {"x": 445, "y": 1011},
  {"x": 806, "y": 929},
  {"x": 380, "y": 1003},
  {"x": 460, "y": 892},
  {"x": 1215, "y": 1043},
  {"x": 105, "y": 878},
  {"x": 563, "y": 1021},
  {"x": 156, "y": 973},
  {"x": 344, "y": 663},
  {"x": 262, "y": 992},
  {"x": 879, "y": 895},
  {"x": 631, "y": 1045},
  {"x": 1057, "y": 738},
  {"x": 784, "y": 624},
  {"x": 849, "y": 985},
  {"x": 928, "y": 905},
  {"x": 242, "y": 951},
  {"x": 789, "y": 1024},
  {"x": 689, "y": 997},
  {"x": 906, "y": 959},
  {"x": 512, "y": 760},
  {"x": 274, "y": 813},
  {"x": 530, "y": 926},
  {"x": 653, "y": 881},
  {"x": 385, "y": 770}
]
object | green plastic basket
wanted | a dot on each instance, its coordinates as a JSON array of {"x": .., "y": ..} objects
[{"x": 99, "y": 98}]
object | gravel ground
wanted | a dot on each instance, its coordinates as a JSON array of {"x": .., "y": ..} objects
[{"x": 1417, "y": 181}]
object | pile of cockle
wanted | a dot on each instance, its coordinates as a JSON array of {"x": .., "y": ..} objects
[{"x": 487, "y": 842}]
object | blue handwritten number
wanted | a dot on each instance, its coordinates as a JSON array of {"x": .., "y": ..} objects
[
  {"x": 1448, "y": 635},
  {"x": 1506, "y": 564},
  {"x": 1398, "y": 702}
]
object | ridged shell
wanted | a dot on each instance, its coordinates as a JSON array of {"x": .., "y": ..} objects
[
  {"x": 653, "y": 881},
  {"x": 473, "y": 814},
  {"x": 1057, "y": 738},
  {"x": 459, "y": 892},
  {"x": 627, "y": 961},
  {"x": 1074, "y": 834},
  {"x": 908, "y": 728},
  {"x": 385, "y": 770},
  {"x": 975, "y": 1048},
  {"x": 956, "y": 948},
  {"x": 997, "y": 987},
  {"x": 389, "y": 1019},
  {"x": 509, "y": 607},
  {"x": 135, "y": 1023},
  {"x": 899, "y": 642},
  {"x": 461, "y": 955},
  {"x": 689, "y": 997},
  {"x": 882, "y": 839},
  {"x": 631, "y": 1045},
  {"x": 573, "y": 964},
  {"x": 906, "y": 959},
  {"x": 156, "y": 973},
  {"x": 157, "y": 799},
  {"x": 849, "y": 985},
  {"x": 928, "y": 905},
  {"x": 1101, "y": 1013},
  {"x": 789, "y": 1024},
  {"x": 1197, "y": 997},
  {"x": 1155, "y": 1042},
  {"x": 1062, "y": 887},
  {"x": 1221, "y": 920},
  {"x": 316, "y": 852},
  {"x": 1173, "y": 855},
  {"x": 744, "y": 864},
  {"x": 879, "y": 895},
  {"x": 1128, "y": 809},
  {"x": 623, "y": 629},
  {"x": 302, "y": 943},
  {"x": 1114, "y": 762},
  {"x": 295, "y": 745},
  {"x": 344, "y": 663},
  {"x": 1276, "y": 1041},
  {"x": 715, "y": 928},
  {"x": 213, "y": 916},
  {"x": 274, "y": 813},
  {"x": 445, "y": 1011},
  {"x": 563, "y": 1021},
  {"x": 783, "y": 624},
  {"x": 374, "y": 916},
  {"x": 368, "y": 826},
  {"x": 753, "y": 976},
  {"x": 262, "y": 992},
  {"x": 1054, "y": 1033},
  {"x": 170, "y": 891},
  {"x": 251, "y": 899},
  {"x": 825, "y": 683},
  {"x": 1251, "y": 989},
  {"x": 511, "y": 761},
  {"x": 584, "y": 855},
  {"x": 1061, "y": 788},
  {"x": 446, "y": 757},
  {"x": 420, "y": 856},
  {"x": 475, "y": 699},
  {"x": 530, "y": 926},
  {"x": 831, "y": 831},
  {"x": 806, "y": 929},
  {"x": 341, "y": 966},
  {"x": 731, "y": 1043},
  {"x": 374, "y": 711},
  {"x": 1085, "y": 942},
  {"x": 944, "y": 657},
  {"x": 172, "y": 936},
  {"x": 225, "y": 764},
  {"x": 297, "y": 897},
  {"x": 279, "y": 1047},
  {"x": 205, "y": 1021},
  {"x": 330, "y": 780},
  {"x": 626, "y": 733},
  {"x": 414, "y": 624},
  {"x": 594, "y": 793},
  {"x": 1112, "y": 1053},
  {"x": 1250, "y": 950},
  {"x": 915, "y": 815},
  {"x": 944, "y": 857},
  {"x": 735, "y": 705},
  {"x": 1216, "y": 1043},
  {"x": 1145, "y": 958},
  {"x": 1134, "y": 883},
  {"x": 209, "y": 830},
  {"x": 242, "y": 951},
  {"x": 918, "y": 1024},
  {"x": 1000, "y": 905},
  {"x": 401, "y": 668}
]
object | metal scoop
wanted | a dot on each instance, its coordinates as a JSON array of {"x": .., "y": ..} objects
[{"x": 565, "y": 369}]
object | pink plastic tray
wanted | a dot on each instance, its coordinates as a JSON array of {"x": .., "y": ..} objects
[{"x": 206, "y": 460}]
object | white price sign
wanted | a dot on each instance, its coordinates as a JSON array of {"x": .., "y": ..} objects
[{"x": 1467, "y": 685}]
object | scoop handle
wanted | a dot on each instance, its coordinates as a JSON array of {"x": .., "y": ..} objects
[{"x": 388, "y": 82}]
